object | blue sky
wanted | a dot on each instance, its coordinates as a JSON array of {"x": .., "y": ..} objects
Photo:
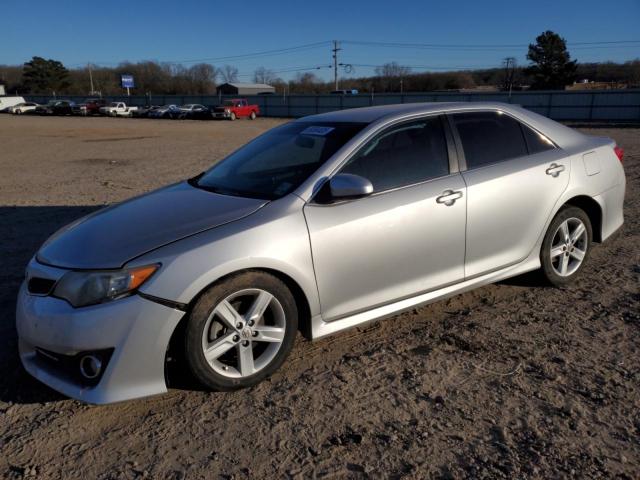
[{"x": 76, "y": 32}]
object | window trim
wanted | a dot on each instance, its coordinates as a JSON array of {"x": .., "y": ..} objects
[
  {"x": 462, "y": 159},
  {"x": 452, "y": 153}
]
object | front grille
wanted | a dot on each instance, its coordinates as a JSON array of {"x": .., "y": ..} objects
[{"x": 40, "y": 286}]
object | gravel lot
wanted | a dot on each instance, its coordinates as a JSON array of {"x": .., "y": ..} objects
[{"x": 514, "y": 380}]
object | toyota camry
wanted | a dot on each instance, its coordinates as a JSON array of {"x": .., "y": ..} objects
[{"x": 318, "y": 225}]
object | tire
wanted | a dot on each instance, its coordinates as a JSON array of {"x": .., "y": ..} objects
[
  {"x": 268, "y": 341},
  {"x": 18, "y": 112},
  {"x": 252, "y": 116},
  {"x": 232, "y": 116},
  {"x": 562, "y": 257}
]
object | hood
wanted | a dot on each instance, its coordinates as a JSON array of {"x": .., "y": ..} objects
[{"x": 111, "y": 237}]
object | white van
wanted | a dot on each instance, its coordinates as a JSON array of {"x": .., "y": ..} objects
[{"x": 6, "y": 102}]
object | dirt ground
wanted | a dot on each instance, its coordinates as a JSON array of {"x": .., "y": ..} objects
[{"x": 514, "y": 380}]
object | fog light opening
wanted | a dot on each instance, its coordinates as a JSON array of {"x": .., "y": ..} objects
[{"x": 90, "y": 366}]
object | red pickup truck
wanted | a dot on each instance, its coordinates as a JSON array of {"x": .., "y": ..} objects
[{"x": 236, "y": 108}]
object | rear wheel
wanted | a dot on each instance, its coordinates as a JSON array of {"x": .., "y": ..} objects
[
  {"x": 566, "y": 246},
  {"x": 240, "y": 331}
]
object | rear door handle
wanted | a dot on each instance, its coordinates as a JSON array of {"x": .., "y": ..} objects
[
  {"x": 449, "y": 197},
  {"x": 554, "y": 170}
]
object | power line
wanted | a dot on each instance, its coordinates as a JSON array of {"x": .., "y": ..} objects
[
  {"x": 437, "y": 46},
  {"x": 265, "y": 53},
  {"x": 290, "y": 70},
  {"x": 429, "y": 46},
  {"x": 430, "y": 67}
]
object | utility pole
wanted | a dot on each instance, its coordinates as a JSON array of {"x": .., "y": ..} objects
[
  {"x": 335, "y": 63},
  {"x": 510, "y": 67},
  {"x": 90, "y": 79}
]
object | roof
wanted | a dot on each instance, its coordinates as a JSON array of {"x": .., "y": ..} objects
[
  {"x": 248, "y": 85},
  {"x": 561, "y": 134}
]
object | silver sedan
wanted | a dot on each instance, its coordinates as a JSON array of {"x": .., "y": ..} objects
[{"x": 319, "y": 225}]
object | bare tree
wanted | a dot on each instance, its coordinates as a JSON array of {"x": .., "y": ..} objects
[
  {"x": 228, "y": 73},
  {"x": 392, "y": 74},
  {"x": 306, "y": 83},
  {"x": 264, "y": 75},
  {"x": 393, "y": 69},
  {"x": 203, "y": 77}
]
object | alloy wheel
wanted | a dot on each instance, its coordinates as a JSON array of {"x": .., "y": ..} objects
[
  {"x": 244, "y": 333},
  {"x": 568, "y": 247}
]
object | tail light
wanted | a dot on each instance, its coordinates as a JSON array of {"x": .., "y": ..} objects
[{"x": 619, "y": 152}]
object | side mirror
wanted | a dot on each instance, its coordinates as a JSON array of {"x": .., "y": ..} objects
[{"x": 347, "y": 185}]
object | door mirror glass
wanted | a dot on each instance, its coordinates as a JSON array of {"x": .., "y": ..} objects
[{"x": 347, "y": 185}]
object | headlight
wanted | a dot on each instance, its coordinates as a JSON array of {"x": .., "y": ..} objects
[{"x": 88, "y": 288}]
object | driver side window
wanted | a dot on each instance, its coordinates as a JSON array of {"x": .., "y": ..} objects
[{"x": 405, "y": 154}]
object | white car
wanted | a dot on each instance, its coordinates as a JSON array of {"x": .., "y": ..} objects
[
  {"x": 118, "y": 109},
  {"x": 8, "y": 102},
  {"x": 23, "y": 107}
]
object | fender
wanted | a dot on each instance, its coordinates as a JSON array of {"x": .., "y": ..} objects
[{"x": 191, "y": 265}]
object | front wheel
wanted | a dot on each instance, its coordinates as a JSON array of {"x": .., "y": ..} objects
[
  {"x": 252, "y": 116},
  {"x": 232, "y": 116},
  {"x": 240, "y": 331},
  {"x": 566, "y": 246}
]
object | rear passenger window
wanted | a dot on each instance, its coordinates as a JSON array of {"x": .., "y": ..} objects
[
  {"x": 535, "y": 141},
  {"x": 403, "y": 155},
  {"x": 489, "y": 137}
]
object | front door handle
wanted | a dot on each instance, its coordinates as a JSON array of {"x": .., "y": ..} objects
[
  {"x": 554, "y": 170},
  {"x": 449, "y": 197}
]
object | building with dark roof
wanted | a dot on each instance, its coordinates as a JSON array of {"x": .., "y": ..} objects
[{"x": 235, "y": 88}]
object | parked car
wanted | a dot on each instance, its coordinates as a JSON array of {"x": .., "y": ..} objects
[
  {"x": 118, "y": 109},
  {"x": 236, "y": 108},
  {"x": 165, "y": 111},
  {"x": 91, "y": 106},
  {"x": 321, "y": 224},
  {"x": 143, "y": 112},
  {"x": 56, "y": 107},
  {"x": 7, "y": 102},
  {"x": 194, "y": 111},
  {"x": 344, "y": 92},
  {"x": 24, "y": 107}
]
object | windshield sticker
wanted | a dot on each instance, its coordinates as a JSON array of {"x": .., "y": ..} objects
[{"x": 315, "y": 130}]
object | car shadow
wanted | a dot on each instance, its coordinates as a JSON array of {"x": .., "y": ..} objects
[
  {"x": 529, "y": 279},
  {"x": 24, "y": 229}
]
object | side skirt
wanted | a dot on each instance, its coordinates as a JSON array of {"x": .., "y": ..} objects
[{"x": 320, "y": 328}]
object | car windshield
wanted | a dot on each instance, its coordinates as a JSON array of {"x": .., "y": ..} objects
[
  {"x": 188, "y": 106},
  {"x": 276, "y": 163}
]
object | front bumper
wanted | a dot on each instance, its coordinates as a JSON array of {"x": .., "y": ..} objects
[
  {"x": 221, "y": 114},
  {"x": 136, "y": 330}
]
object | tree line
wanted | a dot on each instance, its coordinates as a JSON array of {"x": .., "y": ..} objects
[{"x": 551, "y": 67}]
